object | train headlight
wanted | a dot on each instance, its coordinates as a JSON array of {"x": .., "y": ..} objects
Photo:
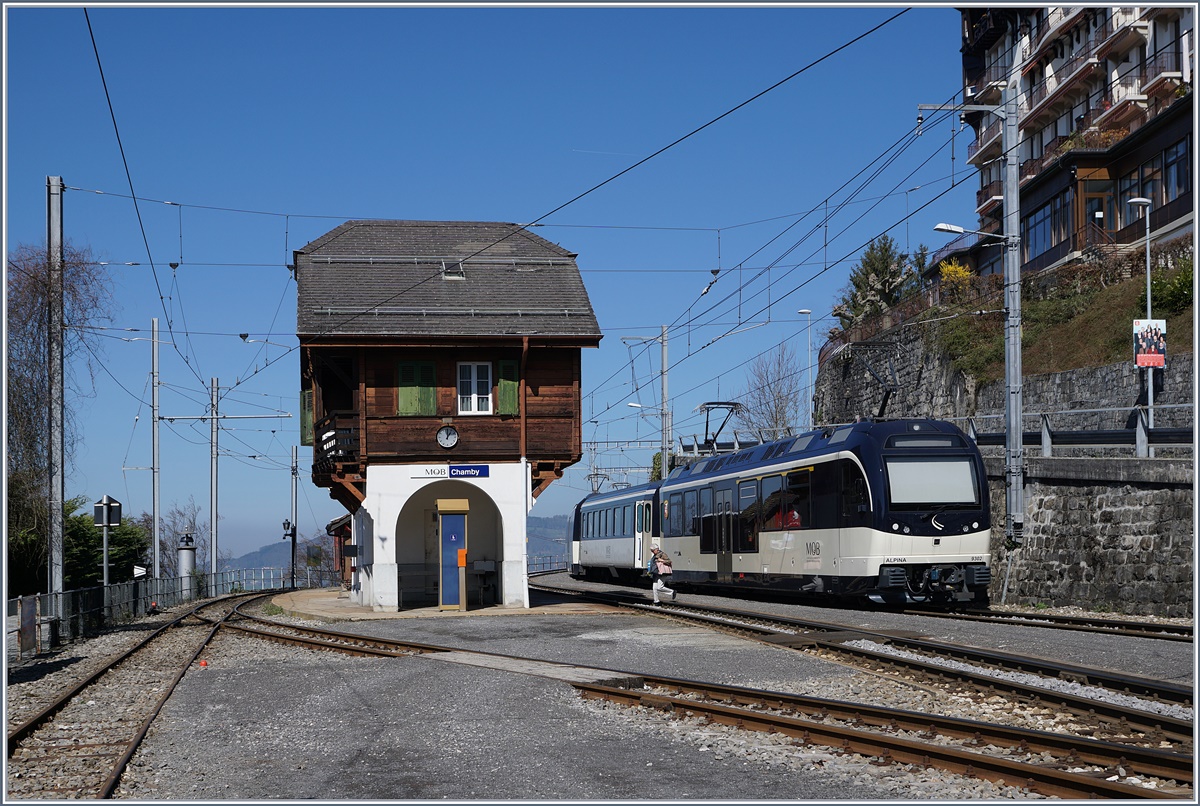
[
  {"x": 966, "y": 528},
  {"x": 895, "y": 527},
  {"x": 907, "y": 530},
  {"x": 974, "y": 524}
]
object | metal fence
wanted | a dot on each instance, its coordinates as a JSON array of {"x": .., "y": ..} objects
[
  {"x": 59, "y": 618},
  {"x": 546, "y": 562}
]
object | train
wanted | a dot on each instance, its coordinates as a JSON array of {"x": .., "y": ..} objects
[{"x": 888, "y": 513}]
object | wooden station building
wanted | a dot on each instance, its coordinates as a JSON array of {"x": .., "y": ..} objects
[{"x": 440, "y": 373}]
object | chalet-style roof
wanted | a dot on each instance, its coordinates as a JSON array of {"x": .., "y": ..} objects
[{"x": 440, "y": 278}]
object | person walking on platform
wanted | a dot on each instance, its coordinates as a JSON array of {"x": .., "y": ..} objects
[{"x": 659, "y": 567}]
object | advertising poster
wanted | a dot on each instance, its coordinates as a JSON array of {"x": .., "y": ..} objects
[{"x": 1150, "y": 342}]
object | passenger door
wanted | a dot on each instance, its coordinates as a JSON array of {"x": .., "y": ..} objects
[{"x": 726, "y": 523}]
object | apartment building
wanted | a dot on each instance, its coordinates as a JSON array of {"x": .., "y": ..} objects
[{"x": 1105, "y": 116}]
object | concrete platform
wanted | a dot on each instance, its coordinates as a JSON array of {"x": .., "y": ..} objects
[{"x": 334, "y": 604}]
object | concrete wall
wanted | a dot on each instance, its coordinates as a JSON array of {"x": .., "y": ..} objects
[{"x": 1103, "y": 530}]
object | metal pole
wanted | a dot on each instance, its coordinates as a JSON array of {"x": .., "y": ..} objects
[
  {"x": 666, "y": 426},
  {"x": 812, "y": 391},
  {"x": 105, "y": 571},
  {"x": 154, "y": 443},
  {"x": 1149, "y": 370},
  {"x": 294, "y": 478},
  {"x": 55, "y": 394},
  {"x": 212, "y": 496},
  {"x": 1014, "y": 470}
]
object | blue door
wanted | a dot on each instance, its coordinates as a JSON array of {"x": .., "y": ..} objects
[{"x": 454, "y": 540}]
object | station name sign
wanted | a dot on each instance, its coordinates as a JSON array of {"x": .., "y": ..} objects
[{"x": 456, "y": 472}]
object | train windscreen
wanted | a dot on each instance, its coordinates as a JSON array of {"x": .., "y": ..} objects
[{"x": 914, "y": 481}]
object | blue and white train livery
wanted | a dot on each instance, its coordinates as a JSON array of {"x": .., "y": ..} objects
[{"x": 893, "y": 512}]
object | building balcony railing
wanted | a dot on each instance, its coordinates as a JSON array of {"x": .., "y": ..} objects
[
  {"x": 986, "y": 135},
  {"x": 988, "y": 193},
  {"x": 335, "y": 440}
]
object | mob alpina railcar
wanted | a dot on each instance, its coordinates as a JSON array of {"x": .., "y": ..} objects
[{"x": 890, "y": 512}]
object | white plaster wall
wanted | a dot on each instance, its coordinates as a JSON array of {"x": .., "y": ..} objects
[{"x": 389, "y": 527}]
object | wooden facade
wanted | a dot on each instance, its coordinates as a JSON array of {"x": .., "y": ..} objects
[{"x": 371, "y": 398}]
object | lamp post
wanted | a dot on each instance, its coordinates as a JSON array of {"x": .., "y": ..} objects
[
  {"x": 289, "y": 530},
  {"x": 1014, "y": 471},
  {"x": 808, "y": 369},
  {"x": 1144, "y": 203}
]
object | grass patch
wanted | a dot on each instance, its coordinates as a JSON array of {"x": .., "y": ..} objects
[
  {"x": 272, "y": 609},
  {"x": 1088, "y": 329}
]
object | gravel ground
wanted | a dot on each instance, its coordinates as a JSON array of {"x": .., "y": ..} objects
[{"x": 264, "y": 721}]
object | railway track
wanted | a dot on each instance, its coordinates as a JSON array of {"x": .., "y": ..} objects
[
  {"x": 78, "y": 744},
  {"x": 1048, "y": 764},
  {"x": 1125, "y": 627},
  {"x": 1126, "y": 707}
]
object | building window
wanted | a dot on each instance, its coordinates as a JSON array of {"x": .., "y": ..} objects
[
  {"x": 416, "y": 389},
  {"x": 1152, "y": 181},
  {"x": 474, "y": 388},
  {"x": 1176, "y": 171}
]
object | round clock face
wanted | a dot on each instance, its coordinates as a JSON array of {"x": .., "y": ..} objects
[{"x": 447, "y": 437}]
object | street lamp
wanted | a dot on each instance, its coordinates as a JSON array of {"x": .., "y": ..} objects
[
  {"x": 1144, "y": 203},
  {"x": 289, "y": 530},
  {"x": 808, "y": 369}
]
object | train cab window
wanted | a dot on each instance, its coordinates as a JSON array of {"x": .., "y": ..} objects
[
  {"x": 749, "y": 506},
  {"x": 689, "y": 512},
  {"x": 772, "y": 512},
  {"x": 797, "y": 503},
  {"x": 676, "y": 515}
]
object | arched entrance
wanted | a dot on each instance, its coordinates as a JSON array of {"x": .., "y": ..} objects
[{"x": 418, "y": 548}]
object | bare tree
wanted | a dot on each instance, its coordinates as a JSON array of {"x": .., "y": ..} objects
[
  {"x": 180, "y": 519},
  {"x": 87, "y": 302},
  {"x": 773, "y": 401}
]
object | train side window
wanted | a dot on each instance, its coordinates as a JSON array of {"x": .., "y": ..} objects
[
  {"x": 854, "y": 493},
  {"x": 797, "y": 505},
  {"x": 627, "y": 531},
  {"x": 748, "y": 503},
  {"x": 641, "y": 518},
  {"x": 689, "y": 512},
  {"x": 772, "y": 513},
  {"x": 708, "y": 522},
  {"x": 676, "y": 515}
]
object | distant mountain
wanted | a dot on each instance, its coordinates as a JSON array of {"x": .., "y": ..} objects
[
  {"x": 547, "y": 537},
  {"x": 277, "y": 554}
]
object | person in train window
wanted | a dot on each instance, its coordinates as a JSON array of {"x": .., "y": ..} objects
[{"x": 660, "y": 567}]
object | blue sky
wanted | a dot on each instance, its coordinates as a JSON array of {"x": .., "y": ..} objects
[{"x": 267, "y": 127}]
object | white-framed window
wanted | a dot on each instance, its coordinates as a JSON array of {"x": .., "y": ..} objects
[{"x": 474, "y": 388}]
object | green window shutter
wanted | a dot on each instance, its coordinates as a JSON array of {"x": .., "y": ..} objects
[
  {"x": 306, "y": 417},
  {"x": 416, "y": 389},
  {"x": 508, "y": 385}
]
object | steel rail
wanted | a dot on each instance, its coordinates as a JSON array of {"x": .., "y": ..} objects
[
  {"x": 1045, "y": 780},
  {"x": 1146, "y": 761},
  {"x": 1132, "y": 629},
  {"x": 23, "y": 730},
  {"x": 316, "y": 643}
]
